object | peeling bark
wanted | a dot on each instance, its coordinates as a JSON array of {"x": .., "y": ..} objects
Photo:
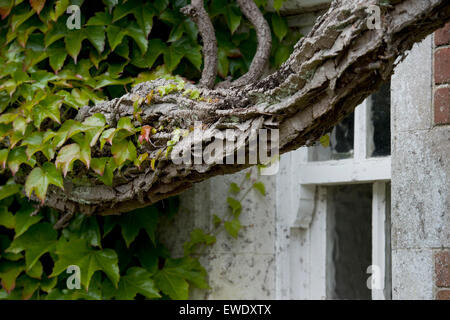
[{"x": 331, "y": 71}]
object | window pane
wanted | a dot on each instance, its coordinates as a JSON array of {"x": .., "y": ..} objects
[
  {"x": 380, "y": 103},
  {"x": 341, "y": 143},
  {"x": 349, "y": 241}
]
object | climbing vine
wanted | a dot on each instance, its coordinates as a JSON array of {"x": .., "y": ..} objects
[{"x": 48, "y": 72}]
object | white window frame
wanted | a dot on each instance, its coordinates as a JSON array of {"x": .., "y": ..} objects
[{"x": 304, "y": 215}]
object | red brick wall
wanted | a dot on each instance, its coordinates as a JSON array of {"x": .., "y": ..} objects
[
  {"x": 442, "y": 76},
  {"x": 442, "y": 274},
  {"x": 442, "y": 117}
]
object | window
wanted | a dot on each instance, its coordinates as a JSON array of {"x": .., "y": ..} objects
[{"x": 345, "y": 201}]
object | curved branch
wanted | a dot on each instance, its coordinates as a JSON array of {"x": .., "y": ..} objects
[
  {"x": 198, "y": 14},
  {"x": 331, "y": 71},
  {"x": 263, "y": 33}
]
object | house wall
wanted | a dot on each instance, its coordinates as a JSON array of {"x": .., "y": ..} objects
[
  {"x": 281, "y": 252},
  {"x": 421, "y": 171}
]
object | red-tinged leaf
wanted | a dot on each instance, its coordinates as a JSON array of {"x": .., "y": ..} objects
[
  {"x": 145, "y": 134},
  {"x": 37, "y": 5},
  {"x": 5, "y": 8}
]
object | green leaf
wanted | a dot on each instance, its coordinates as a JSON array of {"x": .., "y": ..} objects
[
  {"x": 24, "y": 219},
  {"x": 280, "y": 27},
  {"x": 233, "y": 227},
  {"x": 277, "y": 4},
  {"x": 137, "y": 280},
  {"x": 325, "y": 141},
  {"x": 259, "y": 186},
  {"x": 7, "y": 219},
  {"x": 39, "y": 239},
  {"x": 78, "y": 252},
  {"x": 198, "y": 236},
  {"x": 172, "y": 58},
  {"x": 18, "y": 156},
  {"x": 9, "y": 189},
  {"x": 233, "y": 18},
  {"x": 122, "y": 151},
  {"x": 235, "y": 206},
  {"x": 37, "y": 5},
  {"x": 57, "y": 56},
  {"x": 47, "y": 108},
  {"x": 98, "y": 165},
  {"x": 73, "y": 41},
  {"x": 67, "y": 156},
  {"x": 36, "y": 270},
  {"x": 234, "y": 188},
  {"x": 115, "y": 35},
  {"x": 173, "y": 279},
  {"x": 39, "y": 179},
  {"x": 134, "y": 221},
  {"x": 96, "y": 35},
  {"x": 9, "y": 271}
]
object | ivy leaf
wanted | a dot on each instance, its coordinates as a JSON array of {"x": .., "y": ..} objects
[
  {"x": 132, "y": 222},
  {"x": 37, "y": 5},
  {"x": 122, "y": 151},
  {"x": 7, "y": 219},
  {"x": 39, "y": 179},
  {"x": 73, "y": 41},
  {"x": 78, "y": 252},
  {"x": 3, "y": 157},
  {"x": 115, "y": 35},
  {"x": 9, "y": 189},
  {"x": 233, "y": 18},
  {"x": 259, "y": 186},
  {"x": 36, "y": 270},
  {"x": 98, "y": 165},
  {"x": 235, "y": 206},
  {"x": 277, "y": 4},
  {"x": 233, "y": 227},
  {"x": 173, "y": 279},
  {"x": 9, "y": 271},
  {"x": 57, "y": 56},
  {"x": 198, "y": 236},
  {"x": 280, "y": 27},
  {"x": 325, "y": 141},
  {"x": 47, "y": 108},
  {"x": 18, "y": 156},
  {"x": 137, "y": 280},
  {"x": 39, "y": 239},
  {"x": 234, "y": 188},
  {"x": 24, "y": 219},
  {"x": 67, "y": 156},
  {"x": 96, "y": 35}
]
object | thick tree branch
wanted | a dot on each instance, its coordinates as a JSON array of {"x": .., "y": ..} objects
[
  {"x": 325, "y": 78},
  {"x": 198, "y": 14}
]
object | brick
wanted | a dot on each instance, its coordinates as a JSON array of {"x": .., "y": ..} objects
[
  {"x": 443, "y": 295},
  {"x": 442, "y": 268},
  {"x": 442, "y": 36},
  {"x": 442, "y": 106},
  {"x": 442, "y": 65}
]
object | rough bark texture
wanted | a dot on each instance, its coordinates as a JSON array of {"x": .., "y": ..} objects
[
  {"x": 331, "y": 71},
  {"x": 198, "y": 14}
]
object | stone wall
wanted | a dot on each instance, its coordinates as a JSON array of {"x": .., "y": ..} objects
[{"x": 420, "y": 171}]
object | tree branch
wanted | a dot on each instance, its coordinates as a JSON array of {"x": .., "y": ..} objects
[
  {"x": 324, "y": 80},
  {"x": 198, "y": 14},
  {"x": 263, "y": 33}
]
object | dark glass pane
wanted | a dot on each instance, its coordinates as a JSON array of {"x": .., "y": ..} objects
[
  {"x": 381, "y": 121},
  {"x": 349, "y": 239},
  {"x": 341, "y": 142}
]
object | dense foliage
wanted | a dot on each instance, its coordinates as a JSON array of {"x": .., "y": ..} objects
[{"x": 47, "y": 72}]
